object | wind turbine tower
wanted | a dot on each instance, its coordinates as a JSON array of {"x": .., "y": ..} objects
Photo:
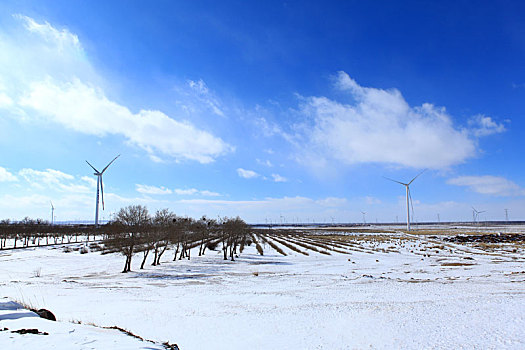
[
  {"x": 100, "y": 187},
  {"x": 409, "y": 198},
  {"x": 52, "y": 213}
]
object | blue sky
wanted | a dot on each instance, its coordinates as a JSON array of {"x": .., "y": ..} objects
[{"x": 266, "y": 110}]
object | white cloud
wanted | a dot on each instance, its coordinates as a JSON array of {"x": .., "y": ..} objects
[
  {"x": 161, "y": 190},
  {"x": 194, "y": 191},
  {"x": 49, "y": 177},
  {"x": 380, "y": 127},
  {"x": 55, "y": 180},
  {"x": 86, "y": 109},
  {"x": 247, "y": 174},
  {"x": 482, "y": 125},
  {"x": 490, "y": 185},
  {"x": 279, "y": 178},
  {"x": 50, "y": 77},
  {"x": 90, "y": 180},
  {"x": 145, "y": 189},
  {"x": 6, "y": 176},
  {"x": 207, "y": 193},
  {"x": 186, "y": 192}
]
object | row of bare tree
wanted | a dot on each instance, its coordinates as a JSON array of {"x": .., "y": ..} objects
[
  {"x": 30, "y": 232},
  {"x": 134, "y": 231}
]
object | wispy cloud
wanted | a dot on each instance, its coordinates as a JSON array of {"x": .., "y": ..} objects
[
  {"x": 482, "y": 125},
  {"x": 490, "y": 185},
  {"x": 206, "y": 97},
  {"x": 279, "y": 178},
  {"x": 145, "y": 189},
  {"x": 161, "y": 190},
  {"x": 264, "y": 162},
  {"x": 63, "y": 38},
  {"x": 194, "y": 191},
  {"x": 247, "y": 174}
]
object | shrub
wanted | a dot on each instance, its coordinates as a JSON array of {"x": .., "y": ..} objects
[
  {"x": 212, "y": 245},
  {"x": 259, "y": 249}
]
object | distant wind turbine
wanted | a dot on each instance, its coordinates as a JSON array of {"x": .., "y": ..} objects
[
  {"x": 364, "y": 217},
  {"x": 100, "y": 186},
  {"x": 409, "y": 197},
  {"x": 52, "y": 213},
  {"x": 475, "y": 214}
]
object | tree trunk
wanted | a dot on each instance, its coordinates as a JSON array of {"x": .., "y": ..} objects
[
  {"x": 146, "y": 252},
  {"x": 176, "y": 252},
  {"x": 156, "y": 252},
  {"x": 162, "y": 252},
  {"x": 183, "y": 251},
  {"x": 126, "y": 264}
]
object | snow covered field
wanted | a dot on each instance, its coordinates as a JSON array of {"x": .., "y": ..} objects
[{"x": 393, "y": 291}]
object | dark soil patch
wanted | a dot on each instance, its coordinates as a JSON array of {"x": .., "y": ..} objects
[{"x": 488, "y": 238}]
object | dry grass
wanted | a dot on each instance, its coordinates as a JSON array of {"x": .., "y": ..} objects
[
  {"x": 327, "y": 244},
  {"x": 257, "y": 245},
  {"x": 274, "y": 246},
  {"x": 296, "y": 241},
  {"x": 288, "y": 245}
]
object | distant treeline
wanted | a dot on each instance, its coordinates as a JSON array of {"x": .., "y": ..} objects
[{"x": 133, "y": 231}]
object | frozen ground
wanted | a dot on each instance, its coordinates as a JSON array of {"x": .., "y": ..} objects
[{"x": 391, "y": 292}]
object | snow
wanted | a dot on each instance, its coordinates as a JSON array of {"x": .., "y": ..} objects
[
  {"x": 384, "y": 294},
  {"x": 58, "y": 335}
]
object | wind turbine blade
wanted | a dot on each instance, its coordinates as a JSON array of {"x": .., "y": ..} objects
[
  {"x": 52, "y": 207},
  {"x": 102, "y": 172},
  {"x": 395, "y": 181},
  {"x": 92, "y": 166},
  {"x": 101, "y": 190},
  {"x": 417, "y": 176}
]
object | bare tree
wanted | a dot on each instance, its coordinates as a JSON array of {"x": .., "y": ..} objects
[
  {"x": 128, "y": 232},
  {"x": 234, "y": 231},
  {"x": 162, "y": 226}
]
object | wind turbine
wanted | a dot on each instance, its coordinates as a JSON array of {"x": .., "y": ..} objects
[
  {"x": 409, "y": 197},
  {"x": 100, "y": 187},
  {"x": 52, "y": 213},
  {"x": 364, "y": 217},
  {"x": 475, "y": 214}
]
